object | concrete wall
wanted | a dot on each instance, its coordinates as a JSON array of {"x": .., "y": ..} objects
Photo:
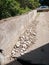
[{"x": 12, "y": 28}]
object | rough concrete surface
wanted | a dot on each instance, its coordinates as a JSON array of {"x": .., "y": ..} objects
[
  {"x": 39, "y": 52},
  {"x": 12, "y": 28}
]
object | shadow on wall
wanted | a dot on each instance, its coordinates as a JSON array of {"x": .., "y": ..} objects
[{"x": 39, "y": 56}]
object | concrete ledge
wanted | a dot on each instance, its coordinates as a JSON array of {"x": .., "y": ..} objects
[
  {"x": 12, "y": 28},
  {"x": 43, "y": 10}
]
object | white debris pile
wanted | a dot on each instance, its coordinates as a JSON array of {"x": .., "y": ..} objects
[{"x": 25, "y": 40}]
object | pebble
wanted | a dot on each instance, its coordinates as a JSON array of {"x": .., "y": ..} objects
[
  {"x": 23, "y": 37},
  {"x": 20, "y": 39},
  {"x": 22, "y": 53},
  {"x": 24, "y": 45},
  {"x": 18, "y": 44},
  {"x": 13, "y": 52},
  {"x": 16, "y": 50},
  {"x": 28, "y": 42},
  {"x": 34, "y": 34},
  {"x": 23, "y": 49}
]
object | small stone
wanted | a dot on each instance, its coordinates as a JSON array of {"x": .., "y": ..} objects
[
  {"x": 22, "y": 53},
  {"x": 20, "y": 38},
  {"x": 28, "y": 42},
  {"x": 23, "y": 49},
  {"x": 18, "y": 44},
  {"x": 23, "y": 36},
  {"x": 24, "y": 45},
  {"x": 13, "y": 52},
  {"x": 34, "y": 34},
  {"x": 16, "y": 50}
]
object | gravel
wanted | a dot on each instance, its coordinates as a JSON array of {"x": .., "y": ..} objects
[{"x": 25, "y": 41}]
